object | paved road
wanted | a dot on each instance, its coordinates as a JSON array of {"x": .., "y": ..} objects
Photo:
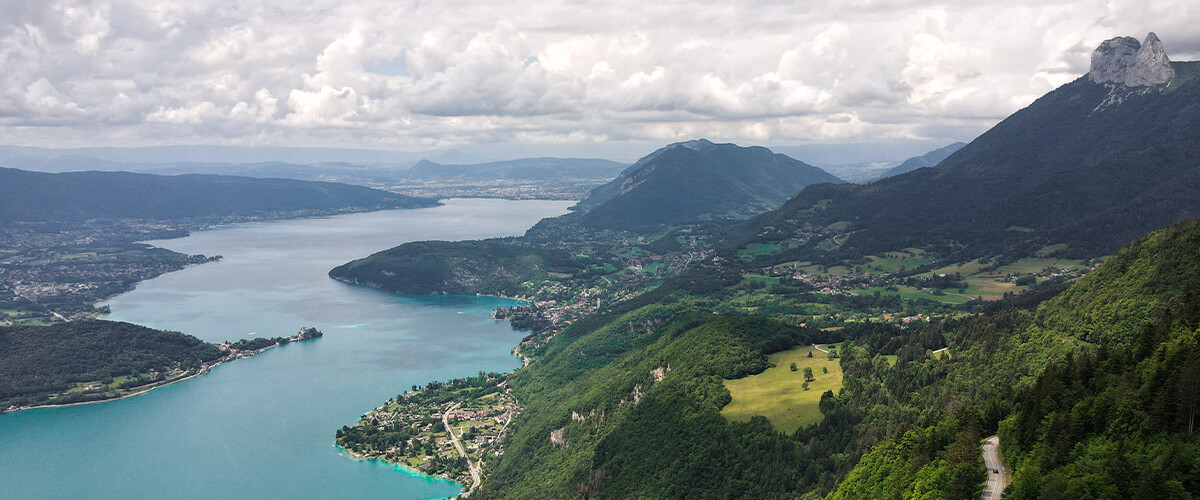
[
  {"x": 475, "y": 476},
  {"x": 818, "y": 347},
  {"x": 991, "y": 460}
]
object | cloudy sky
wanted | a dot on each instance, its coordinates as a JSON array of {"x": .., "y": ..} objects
[{"x": 417, "y": 75}]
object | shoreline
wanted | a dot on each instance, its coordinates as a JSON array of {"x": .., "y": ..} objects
[
  {"x": 405, "y": 468},
  {"x": 138, "y": 393},
  {"x": 373, "y": 286},
  {"x": 202, "y": 371},
  {"x": 515, "y": 352}
]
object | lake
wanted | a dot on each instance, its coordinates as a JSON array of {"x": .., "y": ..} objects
[{"x": 263, "y": 427}]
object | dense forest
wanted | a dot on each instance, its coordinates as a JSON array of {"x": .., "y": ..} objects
[
  {"x": 1093, "y": 394},
  {"x": 36, "y": 361},
  {"x": 635, "y": 408}
]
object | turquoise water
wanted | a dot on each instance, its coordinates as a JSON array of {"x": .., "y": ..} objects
[{"x": 263, "y": 427}]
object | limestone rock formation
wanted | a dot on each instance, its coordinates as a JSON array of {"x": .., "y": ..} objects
[
  {"x": 1124, "y": 61},
  {"x": 1151, "y": 66}
]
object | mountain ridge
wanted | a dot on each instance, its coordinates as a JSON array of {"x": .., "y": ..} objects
[
  {"x": 78, "y": 196},
  {"x": 1090, "y": 165},
  {"x": 929, "y": 159}
]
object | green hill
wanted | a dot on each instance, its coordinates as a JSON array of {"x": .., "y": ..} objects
[
  {"x": 697, "y": 179},
  {"x": 81, "y": 196},
  {"x": 89, "y": 360},
  {"x": 635, "y": 406},
  {"x": 460, "y": 267}
]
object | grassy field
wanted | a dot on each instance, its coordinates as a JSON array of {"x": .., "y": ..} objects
[
  {"x": 908, "y": 292},
  {"x": 777, "y": 393},
  {"x": 891, "y": 262},
  {"x": 992, "y": 285},
  {"x": 1035, "y": 264}
]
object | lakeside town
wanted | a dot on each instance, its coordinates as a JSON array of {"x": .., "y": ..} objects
[{"x": 449, "y": 430}]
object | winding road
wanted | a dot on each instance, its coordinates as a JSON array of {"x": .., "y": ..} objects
[
  {"x": 475, "y": 473},
  {"x": 991, "y": 460}
]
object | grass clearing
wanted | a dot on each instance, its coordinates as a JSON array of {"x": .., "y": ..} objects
[
  {"x": 1036, "y": 265},
  {"x": 1049, "y": 250},
  {"x": 908, "y": 292},
  {"x": 891, "y": 262},
  {"x": 778, "y": 394}
]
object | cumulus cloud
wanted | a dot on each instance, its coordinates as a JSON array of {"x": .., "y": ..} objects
[{"x": 424, "y": 74}]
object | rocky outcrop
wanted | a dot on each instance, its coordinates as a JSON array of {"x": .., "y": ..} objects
[
  {"x": 307, "y": 333},
  {"x": 1124, "y": 61}
]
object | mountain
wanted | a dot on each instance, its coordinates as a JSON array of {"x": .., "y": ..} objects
[
  {"x": 1090, "y": 165},
  {"x": 78, "y": 196},
  {"x": 698, "y": 179},
  {"x": 683, "y": 183},
  {"x": 929, "y": 159},
  {"x": 532, "y": 169}
]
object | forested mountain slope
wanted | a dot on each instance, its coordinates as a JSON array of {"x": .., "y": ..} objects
[
  {"x": 1094, "y": 394},
  {"x": 1091, "y": 165},
  {"x": 690, "y": 180}
]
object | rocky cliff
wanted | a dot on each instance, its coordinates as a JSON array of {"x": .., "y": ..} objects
[{"x": 1124, "y": 61}]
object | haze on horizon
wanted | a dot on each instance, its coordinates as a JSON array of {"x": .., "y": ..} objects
[{"x": 607, "y": 78}]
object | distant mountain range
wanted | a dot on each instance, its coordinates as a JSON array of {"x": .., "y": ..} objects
[
  {"x": 698, "y": 179},
  {"x": 219, "y": 154},
  {"x": 576, "y": 175},
  {"x": 80, "y": 196},
  {"x": 532, "y": 169},
  {"x": 929, "y": 159}
]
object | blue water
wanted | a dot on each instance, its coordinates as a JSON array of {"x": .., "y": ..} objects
[{"x": 263, "y": 427}]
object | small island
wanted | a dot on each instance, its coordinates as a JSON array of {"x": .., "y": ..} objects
[
  {"x": 90, "y": 361},
  {"x": 250, "y": 347}
]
